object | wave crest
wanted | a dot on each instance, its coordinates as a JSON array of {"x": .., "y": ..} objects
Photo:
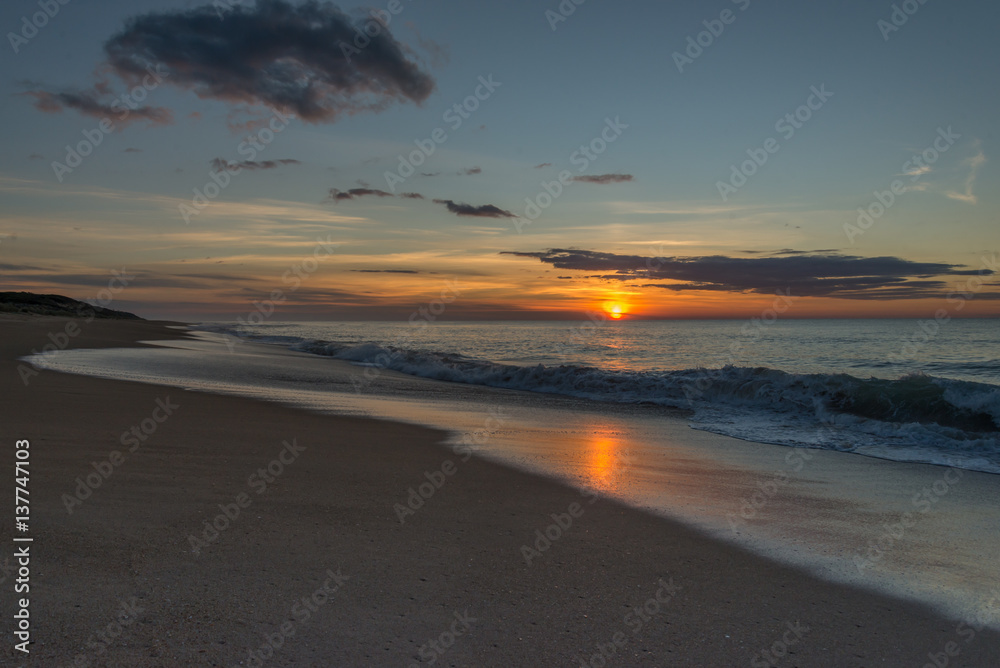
[{"x": 913, "y": 418}]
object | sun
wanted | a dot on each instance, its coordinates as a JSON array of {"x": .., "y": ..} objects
[{"x": 614, "y": 307}]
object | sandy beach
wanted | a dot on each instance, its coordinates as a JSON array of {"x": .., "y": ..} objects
[{"x": 321, "y": 555}]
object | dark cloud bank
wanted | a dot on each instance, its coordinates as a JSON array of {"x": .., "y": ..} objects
[{"x": 813, "y": 275}]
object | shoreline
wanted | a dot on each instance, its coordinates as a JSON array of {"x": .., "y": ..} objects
[{"x": 406, "y": 580}]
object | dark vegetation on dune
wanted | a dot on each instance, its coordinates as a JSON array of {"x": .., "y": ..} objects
[{"x": 32, "y": 304}]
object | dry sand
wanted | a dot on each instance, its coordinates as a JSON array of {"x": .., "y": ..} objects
[{"x": 407, "y": 584}]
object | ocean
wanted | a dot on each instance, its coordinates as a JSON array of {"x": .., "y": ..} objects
[{"x": 907, "y": 390}]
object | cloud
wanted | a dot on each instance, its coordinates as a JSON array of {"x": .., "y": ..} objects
[
  {"x": 300, "y": 58},
  {"x": 975, "y": 162},
  {"x": 544, "y": 164},
  {"x": 132, "y": 150},
  {"x": 790, "y": 251},
  {"x": 341, "y": 195},
  {"x": 604, "y": 178},
  {"x": 813, "y": 275},
  {"x": 98, "y": 104},
  {"x": 148, "y": 279},
  {"x": 681, "y": 209},
  {"x": 484, "y": 211},
  {"x": 918, "y": 171},
  {"x": 36, "y": 156},
  {"x": 471, "y": 171},
  {"x": 411, "y": 195},
  {"x": 219, "y": 164},
  {"x": 385, "y": 271}
]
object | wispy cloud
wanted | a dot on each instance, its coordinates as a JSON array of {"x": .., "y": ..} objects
[
  {"x": 385, "y": 271},
  {"x": 266, "y": 211},
  {"x": 667, "y": 242},
  {"x": 97, "y": 105},
  {"x": 917, "y": 172},
  {"x": 974, "y": 163},
  {"x": 790, "y": 251},
  {"x": 221, "y": 164},
  {"x": 678, "y": 208},
  {"x": 914, "y": 184},
  {"x": 603, "y": 179}
]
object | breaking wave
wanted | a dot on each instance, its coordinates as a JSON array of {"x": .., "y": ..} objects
[{"x": 916, "y": 418}]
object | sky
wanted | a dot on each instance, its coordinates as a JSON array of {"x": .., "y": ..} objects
[{"x": 516, "y": 160}]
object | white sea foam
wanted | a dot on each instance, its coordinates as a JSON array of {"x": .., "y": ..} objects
[{"x": 916, "y": 417}]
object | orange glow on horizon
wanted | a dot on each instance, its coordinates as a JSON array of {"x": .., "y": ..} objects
[{"x": 615, "y": 308}]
